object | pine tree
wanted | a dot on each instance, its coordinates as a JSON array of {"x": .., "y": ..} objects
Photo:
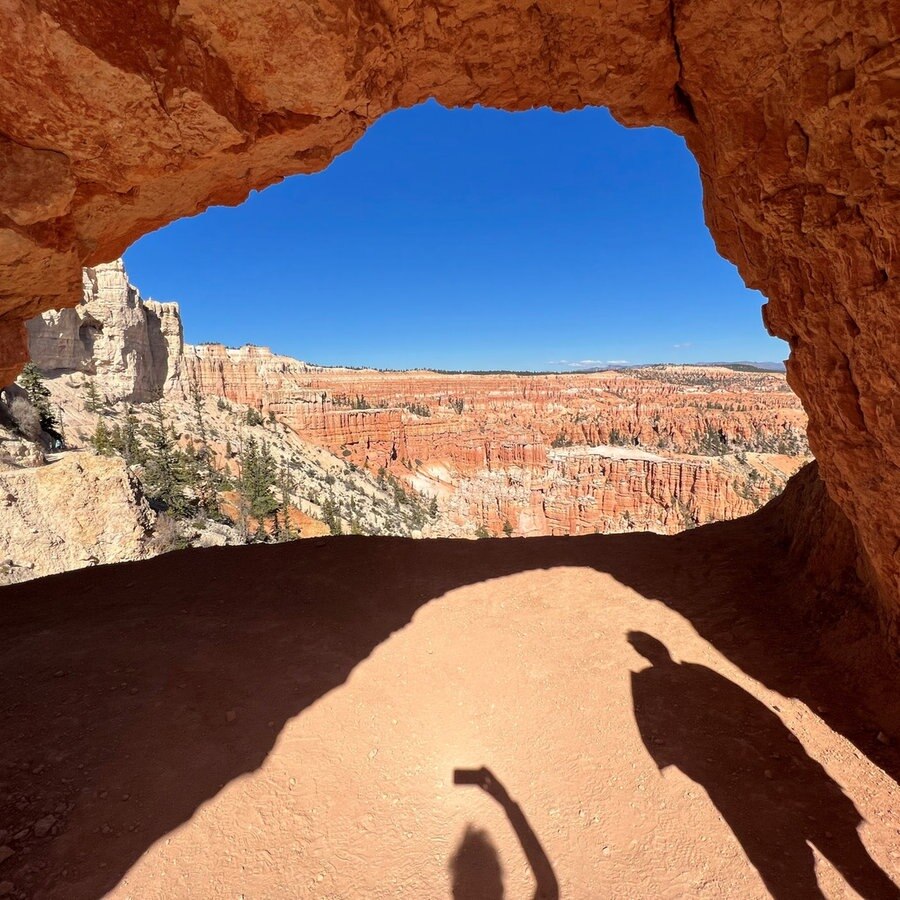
[
  {"x": 197, "y": 403},
  {"x": 129, "y": 444},
  {"x": 39, "y": 396},
  {"x": 93, "y": 403},
  {"x": 433, "y": 508},
  {"x": 331, "y": 515},
  {"x": 101, "y": 440},
  {"x": 167, "y": 473},
  {"x": 286, "y": 485},
  {"x": 257, "y": 479},
  {"x": 208, "y": 479},
  {"x": 507, "y": 528}
]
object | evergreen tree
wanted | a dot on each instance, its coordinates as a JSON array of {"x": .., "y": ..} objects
[
  {"x": 129, "y": 444},
  {"x": 39, "y": 396},
  {"x": 286, "y": 486},
  {"x": 433, "y": 508},
  {"x": 101, "y": 440},
  {"x": 167, "y": 471},
  {"x": 93, "y": 403},
  {"x": 197, "y": 403},
  {"x": 507, "y": 528},
  {"x": 257, "y": 480},
  {"x": 331, "y": 515},
  {"x": 208, "y": 479}
]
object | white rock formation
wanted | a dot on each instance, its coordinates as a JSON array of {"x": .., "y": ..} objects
[{"x": 132, "y": 346}]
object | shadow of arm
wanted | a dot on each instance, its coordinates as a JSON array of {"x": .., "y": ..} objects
[{"x": 547, "y": 887}]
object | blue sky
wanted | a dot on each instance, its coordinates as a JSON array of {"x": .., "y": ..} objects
[{"x": 472, "y": 239}]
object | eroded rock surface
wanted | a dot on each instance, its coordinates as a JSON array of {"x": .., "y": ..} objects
[
  {"x": 133, "y": 345},
  {"x": 113, "y": 124},
  {"x": 83, "y": 510},
  {"x": 659, "y": 449}
]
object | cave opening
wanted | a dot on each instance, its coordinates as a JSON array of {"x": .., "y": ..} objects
[{"x": 522, "y": 327}]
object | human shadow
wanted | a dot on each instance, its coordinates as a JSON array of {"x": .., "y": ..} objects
[
  {"x": 776, "y": 799},
  {"x": 475, "y": 868},
  {"x": 162, "y": 681},
  {"x": 470, "y": 868}
]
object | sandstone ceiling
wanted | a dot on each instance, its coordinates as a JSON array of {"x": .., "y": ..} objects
[{"x": 116, "y": 118}]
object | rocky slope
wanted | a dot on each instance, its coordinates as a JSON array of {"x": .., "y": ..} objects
[
  {"x": 80, "y": 510},
  {"x": 111, "y": 358}
]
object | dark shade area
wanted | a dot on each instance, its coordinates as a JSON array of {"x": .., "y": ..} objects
[
  {"x": 194, "y": 635},
  {"x": 774, "y": 797}
]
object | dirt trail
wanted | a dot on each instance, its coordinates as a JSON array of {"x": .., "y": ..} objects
[{"x": 286, "y": 722}]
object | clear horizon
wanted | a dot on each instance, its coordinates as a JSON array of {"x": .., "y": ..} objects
[{"x": 469, "y": 240}]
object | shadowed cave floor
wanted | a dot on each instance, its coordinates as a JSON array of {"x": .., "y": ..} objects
[{"x": 285, "y": 722}]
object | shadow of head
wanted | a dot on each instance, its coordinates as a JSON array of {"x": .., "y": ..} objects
[
  {"x": 475, "y": 868},
  {"x": 652, "y": 649}
]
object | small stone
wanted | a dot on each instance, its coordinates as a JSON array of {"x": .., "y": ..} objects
[
  {"x": 768, "y": 773},
  {"x": 6, "y": 853},
  {"x": 42, "y": 826},
  {"x": 231, "y": 715}
]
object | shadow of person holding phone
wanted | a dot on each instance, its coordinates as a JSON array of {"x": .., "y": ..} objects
[
  {"x": 778, "y": 801},
  {"x": 475, "y": 867}
]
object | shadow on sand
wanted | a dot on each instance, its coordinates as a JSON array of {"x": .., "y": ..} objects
[
  {"x": 475, "y": 868},
  {"x": 155, "y": 684},
  {"x": 775, "y": 798}
]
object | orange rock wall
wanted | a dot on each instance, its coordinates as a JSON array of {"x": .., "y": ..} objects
[{"x": 117, "y": 119}]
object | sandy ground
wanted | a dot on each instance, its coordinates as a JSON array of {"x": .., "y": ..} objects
[{"x": 273, "y": 722}]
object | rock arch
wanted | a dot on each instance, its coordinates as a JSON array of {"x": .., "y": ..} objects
[{"x": 117, "y": 118}]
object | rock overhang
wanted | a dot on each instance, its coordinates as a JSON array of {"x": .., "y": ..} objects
[{"x": 114, "y": 123}]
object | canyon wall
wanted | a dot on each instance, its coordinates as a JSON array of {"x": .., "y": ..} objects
[
  {"x": 660, "y": 448},
  {"x": 112, "y": 125}
]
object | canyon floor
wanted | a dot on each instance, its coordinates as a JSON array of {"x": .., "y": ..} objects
[{"x": 285, "y": 721}]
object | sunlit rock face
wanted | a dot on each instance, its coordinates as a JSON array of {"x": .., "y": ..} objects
[
  {"x": 133, "y": 345},
  {"x": 112, "y": 125}
]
